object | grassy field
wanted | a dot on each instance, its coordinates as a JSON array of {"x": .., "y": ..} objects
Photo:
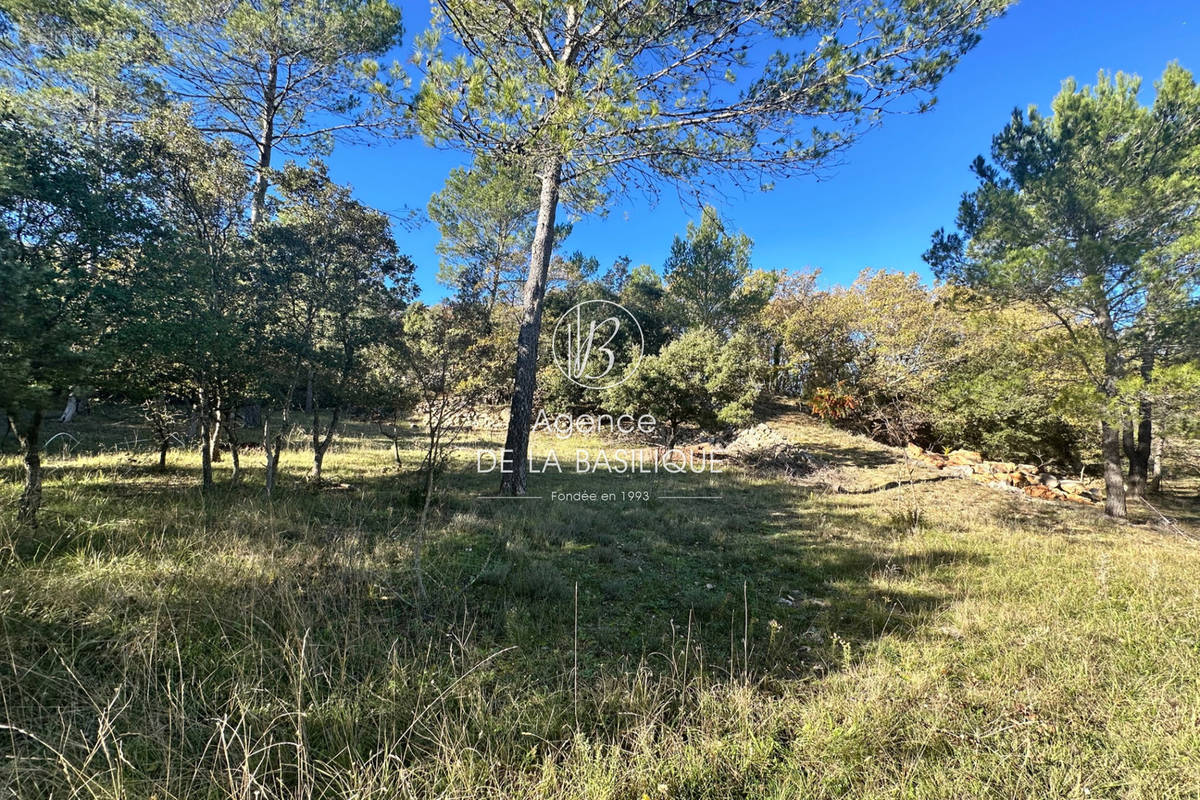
[{"x": 932, "y": 639}]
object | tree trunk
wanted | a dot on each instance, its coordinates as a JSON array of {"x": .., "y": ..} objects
[
  {"x": 68, "y": 413},
  {"x": 1139, "y": 451},
  {"x": 206, "y": 474},
  {"x": 214, "y": 438},
  {"x": 31, "y": 494},
  {"x": 520, "y": 419},
  {"x": 1114, "y": 481},
  {"x": 265, "y": 143},
  {"x": 321, "y": 443},
  {"x": 271, "y": 447},
  {"x": 164, "y": 444},
  {"x": 1156, "y": 451},
  {"x": 231, "y": 436}
]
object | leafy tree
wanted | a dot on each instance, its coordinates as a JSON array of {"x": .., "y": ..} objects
[
  {"x": 486, "y": 217},
  {"x": 65, "y": 238},
  {"x": 345, "y": 278},
  {"x": 1093, "y": 215},
  {"x": 278, "y": 77},
  {"x": 432, "y": 367},
  {"x": 695, "y": 380},
  {"x": 709, "y": 277},
  {"x": 644, "y": 294},
  {"x": 198, "y": 304},
  {"x": 616, "y": 96}
]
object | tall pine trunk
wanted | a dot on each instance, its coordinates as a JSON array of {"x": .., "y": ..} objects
[
  {"x": 514, "y": 467},
  {"x": 31, "y": 493},
  {"x": 1114, "y": 481}
]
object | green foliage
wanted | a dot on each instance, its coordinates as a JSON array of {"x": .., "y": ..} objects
[
  {"x": 73, "y": 217},
  {"x": 85, "y": 64},
  {"x": 618, "y": 95},
  {"x": 695, "y": 380},
  {"x": 709, "y": 278},
  {"x": 485, "y": 216},
  {"x": 342, "y": 278},
  {"x": 1091, "y": 214}
]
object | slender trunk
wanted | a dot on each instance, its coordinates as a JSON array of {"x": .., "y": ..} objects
[
  {"x": 321, "y": 443},
  {"x": 1156, "y": 450},
  {"x": 516, "y": 443},
  {"x": 231, "y": 435},
  {"x": 31, "y": 494},
  {"x": 1139, "y": 452},
  {"x": 206, "y": 473},
  {"x": 1114, "y": 481},
  {"x": 1110, "y": 435},
  {"x": 68, "y": 413},
  {"x": 164, "y": 444},
  {"x": 214, "y": 438},
  {"x": 266, "y": 143},
  {"x": 419, "y": 545},
  {"x": 271, "y": 447}
]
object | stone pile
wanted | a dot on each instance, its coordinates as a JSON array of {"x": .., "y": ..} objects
[
  {"x": 762, "y": 447},
  {"x": 1006, "y": 474}
]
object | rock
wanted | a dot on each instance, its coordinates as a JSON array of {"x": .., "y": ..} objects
[
  {"x": 913, "y": 450},
  {"x": 959, "y": 470},
  {"x": 1003, "y": 466},
  {"x": 1072, "y": 487},
  {"x": 1041, "y": 492},
  {"x": 1028, "y": 469},
  {"x": 1018, "y": 478},
  {"x": 1076, "y": 498},
  {"x": 959, "y": 457},
  {"x": 1048, "y": 480}
]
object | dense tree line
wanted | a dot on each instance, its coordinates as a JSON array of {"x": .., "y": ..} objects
[{"x": 171, "y": 237}]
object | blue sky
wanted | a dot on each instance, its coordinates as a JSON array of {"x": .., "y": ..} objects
[{"x": 899, "y": 184}]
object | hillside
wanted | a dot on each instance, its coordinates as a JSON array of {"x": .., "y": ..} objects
[{"x": 871, "y": 630}]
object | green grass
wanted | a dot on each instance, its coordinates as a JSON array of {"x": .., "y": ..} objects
[{"x": 787, "y": 641}]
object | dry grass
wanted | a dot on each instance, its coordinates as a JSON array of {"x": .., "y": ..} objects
[{"x": 787, "y": 641}]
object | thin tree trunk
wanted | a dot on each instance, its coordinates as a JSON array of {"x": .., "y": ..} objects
[
  {"x": 1114, "y": 481},
  {"x": 1139, "y": 451},
  {"x": 31, "y": 493},
  {"x": 164, "y": 444},
  {"x": 1156, "y": 454},
  {"x": 321, "y": 443},
  {"x": 69, "y": 412},
  {"x": 231, "y": 435},
  {"x": 271, "y": 447},
  {"x": 265, "y": 145},
  {"x": 206, "y": 473},
  {"x": 520, "y": 419},
  {"x": 214, "y": 438}
]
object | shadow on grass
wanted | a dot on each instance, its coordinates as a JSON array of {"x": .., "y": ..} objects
[{"x": 138, "y": 581}]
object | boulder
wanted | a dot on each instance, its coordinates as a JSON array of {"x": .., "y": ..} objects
[
  {"x": 959, "y": 470},
  {"x": 959, "y": 457},
  {"x": 1072, "y": 487},
  {"x": 913, "y": 450},
  {"x": 1048, "y": 480},
  {"x": 1041, "y": 492}
]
